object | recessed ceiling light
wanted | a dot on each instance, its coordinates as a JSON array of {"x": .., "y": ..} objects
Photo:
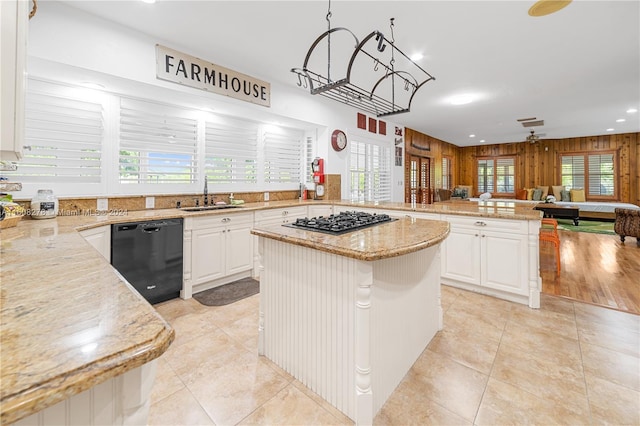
[
  {"x": 631, "y": 110},
  {"x": 620, "y": 120},
  {"x": 461, "y": 99},
  {"x": 610, "y": 129},
  {"x": 472, "y": 136},
  {"x": 416, "y": 56},
  {"x": 149, "y": 1},
  {"x": 481, "y": 140}
]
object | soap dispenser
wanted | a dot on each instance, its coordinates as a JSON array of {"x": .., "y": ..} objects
[{"x": 231, "y": 198}]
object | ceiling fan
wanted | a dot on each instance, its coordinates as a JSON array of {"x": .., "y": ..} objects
[{"x": 533, "y": 138}]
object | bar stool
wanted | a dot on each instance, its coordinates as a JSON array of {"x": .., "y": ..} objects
[{"x": 549, "y": 234}]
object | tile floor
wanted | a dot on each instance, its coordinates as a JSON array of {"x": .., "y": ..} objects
[{"x": 494, "y": 363}]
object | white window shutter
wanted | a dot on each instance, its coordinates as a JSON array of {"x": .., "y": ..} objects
[
  {"x": 158, "y": 144},
  {"x": 231, "y": 152}
]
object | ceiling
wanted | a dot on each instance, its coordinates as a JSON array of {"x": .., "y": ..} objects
[{"x": 577, "y": 69}]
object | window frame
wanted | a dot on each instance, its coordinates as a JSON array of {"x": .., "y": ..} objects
[
  {"x": 585, "y": 155},
  {"x": 447, "y": 179},
  {"x": 372, "y": 190},
  {"x": 496, "y": 175}
]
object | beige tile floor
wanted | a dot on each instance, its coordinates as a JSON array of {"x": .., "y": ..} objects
[{"x": 495, "y": 363}]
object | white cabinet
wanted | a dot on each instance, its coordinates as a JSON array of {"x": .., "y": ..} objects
[
  {"x": 280, "y": 216},
  {"x": 100, "y": 239},
  {"x": 272, "y": 217},
  {"x": 321, "y": 210},
  {"x": 14, "y": 18},
  {"x": 487, "y": 255},
  {"x": 218, "y": 250}
]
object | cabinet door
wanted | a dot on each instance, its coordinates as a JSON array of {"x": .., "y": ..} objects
[
  {"x": 14, "y": 18},
  {"x": 239, "y": 251},
  {"x": 504, "y": 262},
  {"x": 460, "y": 256},
  {"x": 317, "y": 211},
  {"x": 207, "y": 254}
]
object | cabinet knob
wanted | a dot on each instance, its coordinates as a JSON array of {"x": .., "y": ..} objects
[{"x": 476, "y": 235}]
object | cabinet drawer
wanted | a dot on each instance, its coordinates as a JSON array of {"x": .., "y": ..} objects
[
  {"x": 275, "y": 214},
  {"x": 226, "y": 219},
  {"x": 488, "y": 224}
]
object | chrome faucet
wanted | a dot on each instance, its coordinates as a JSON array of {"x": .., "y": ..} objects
[{"x": 206, "y": 195}]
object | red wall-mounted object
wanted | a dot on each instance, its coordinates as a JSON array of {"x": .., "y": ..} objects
[{"x": 317, "y": 166}]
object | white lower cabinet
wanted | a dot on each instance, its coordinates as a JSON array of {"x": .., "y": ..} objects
[
  {"x": 218, "y": 250},
  {"x": 100, "y": 239},
  {"x": 322, "y": 210},
  {"x": 490, "y": 256}
]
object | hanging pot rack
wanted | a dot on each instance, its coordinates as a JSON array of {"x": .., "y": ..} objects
[{"x": 347, "y": 91}]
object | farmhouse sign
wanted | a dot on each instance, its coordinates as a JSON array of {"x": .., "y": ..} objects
[{"x": 181, "y": 68}]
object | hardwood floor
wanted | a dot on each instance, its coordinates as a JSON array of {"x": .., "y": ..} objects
[{"x": 596, "y": 269}]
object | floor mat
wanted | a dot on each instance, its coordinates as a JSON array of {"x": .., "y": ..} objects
[
  {"x": 593, "y": 226},
  {"x": 228, "y": 293}
]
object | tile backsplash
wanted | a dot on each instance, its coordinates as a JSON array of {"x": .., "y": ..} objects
[{"x": 138, "y": 202}]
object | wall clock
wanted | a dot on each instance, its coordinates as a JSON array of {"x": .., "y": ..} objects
[{"x": 338, "y": 140}]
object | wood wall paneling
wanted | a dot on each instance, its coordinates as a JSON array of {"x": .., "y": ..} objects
[{"x": 537, "y": 163}]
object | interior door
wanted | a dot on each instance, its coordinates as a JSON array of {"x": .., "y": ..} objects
[{"x": 418, "y": 176}]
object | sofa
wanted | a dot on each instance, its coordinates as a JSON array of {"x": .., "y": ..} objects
[{"x": 627, "y": 224}]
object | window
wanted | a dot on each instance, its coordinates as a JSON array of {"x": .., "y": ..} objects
[
  {"x": 370, "y": 170},
  {"x": 308, "y": 159},
  {"x": 64, "y": 131},
  {"x": 496, "y": 175},
  {"x": 282, "y": 155},
  {"x": 231, "y": 152},
  {"x": 593, "y": 172},
  {"x": 158, "y": 144},
  {"x": 446, "y": 173}
]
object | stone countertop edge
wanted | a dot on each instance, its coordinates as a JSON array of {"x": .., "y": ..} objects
[{"x": 382, "y": 241}]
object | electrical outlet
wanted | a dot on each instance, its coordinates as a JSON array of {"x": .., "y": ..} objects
[
  {"x": 102, "y": 204},
  {"x": 266, "y": 196},
  {"x": 150, "y": 202}
]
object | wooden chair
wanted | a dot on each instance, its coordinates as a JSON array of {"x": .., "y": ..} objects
[{"x": 549, "y": 234}]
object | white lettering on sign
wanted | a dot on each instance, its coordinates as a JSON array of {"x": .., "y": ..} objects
[{"x": 180, "y": 68}]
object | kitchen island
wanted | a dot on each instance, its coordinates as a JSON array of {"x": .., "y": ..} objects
[{"x": 349, "y": 314}]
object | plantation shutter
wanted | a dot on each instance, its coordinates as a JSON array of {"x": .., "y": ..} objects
[
  {"x": 282, "y": 156},
  {"x": 572, "y": 173},
  {"x": 308, "y": 158},
  {"x": 601, "y": 175},
  {"x": 63, "y": 139},
  {"x": 158, "y": 144},
  {"x": 446, "y": 181},
  {"x": 505, "y": 175},
  {"x": 370, "y": 168},
  {"x": 231, "y": 152}
]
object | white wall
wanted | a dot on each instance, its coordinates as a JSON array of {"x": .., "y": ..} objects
[{"x": 66, "y": 44}]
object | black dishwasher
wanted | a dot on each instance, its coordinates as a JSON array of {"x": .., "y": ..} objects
[{"x": 149, "y": 256}]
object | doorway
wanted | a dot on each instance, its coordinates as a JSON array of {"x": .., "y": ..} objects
[{"x": 418, "y": 176}]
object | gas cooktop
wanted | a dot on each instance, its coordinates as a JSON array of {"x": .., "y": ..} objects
[{"x": 341, "y": 223}]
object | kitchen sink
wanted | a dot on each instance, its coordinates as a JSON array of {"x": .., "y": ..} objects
[{"x": 205, "y": 208}]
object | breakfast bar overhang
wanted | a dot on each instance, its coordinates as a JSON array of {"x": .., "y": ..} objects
[{"x": 348, "y": 315}]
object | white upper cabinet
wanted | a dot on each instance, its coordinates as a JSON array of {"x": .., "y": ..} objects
[{"x": 14, "y": 20}]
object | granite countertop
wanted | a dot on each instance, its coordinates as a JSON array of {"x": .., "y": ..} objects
[
  {"x": 493, "y": 208},
  {"x": 68, "y": 321},
  {"x": 382, "y": 241}
]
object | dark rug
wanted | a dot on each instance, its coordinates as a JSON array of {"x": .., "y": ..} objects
[{"x": 228, "y": 293}]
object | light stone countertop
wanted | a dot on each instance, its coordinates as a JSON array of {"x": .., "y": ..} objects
[
  {"x": 377, "y": 242},
  {"x": 69, "y": 322}
]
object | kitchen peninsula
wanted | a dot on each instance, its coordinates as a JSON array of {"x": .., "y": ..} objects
[{"x": 349, "y": 314}]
